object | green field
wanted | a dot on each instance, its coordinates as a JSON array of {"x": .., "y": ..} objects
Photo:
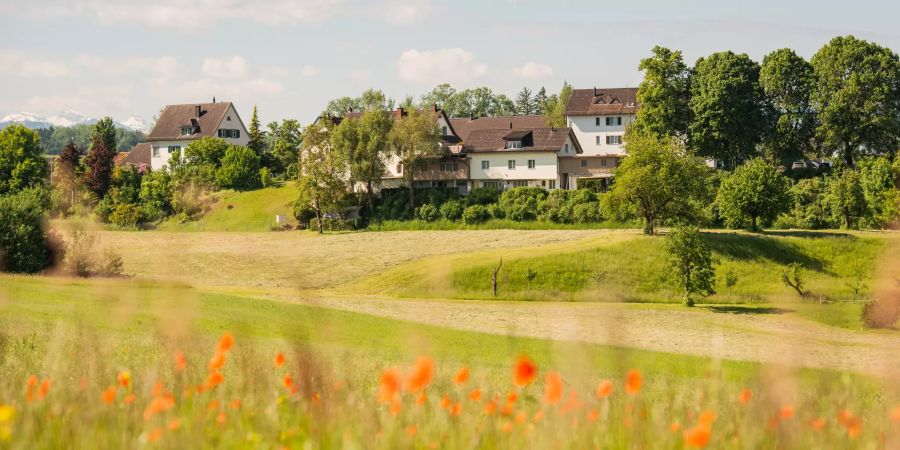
[{"x": 243, "y": 211}]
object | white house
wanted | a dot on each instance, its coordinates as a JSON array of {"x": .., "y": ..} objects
[
  {"x": 179, "y": 125},
  {"x": 508, "y": 158},
  {"x": 598, "y": 118}
]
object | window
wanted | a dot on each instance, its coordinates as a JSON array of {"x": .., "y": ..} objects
[
  {"x": 613, "y": 140},
  {"x": 603, "y": 162},
  {"x": 531, "y": 164},
  {"x": 567, "y": 148},
  {"x": 583, "y": 163},
  {"x": 174, "y": 148},
  {"x": 543, "y": 183},
  {"x": 449, "y": 167},
  {"x": 610, "y": 121},
  {"x": 511, "y": 164},
  {"x": 514, "y": 144},
  {"x": 598, "y": 140},
  {"x": 156, "y": 152},
  {"x": 445, "y": 131},
  {"x": 400, "y": 168},
  {"x": 228, "y": 118},
  {"x": 187, "y": 131},
  {"x": 485, "y": 165},
  {"x": 492, "y": 184},
  {"x": 520, "y": 183},
  {"x": 552, "y": 184},
  {"x": 233, "y": 134},
  {"x": 598, "y": 121}
]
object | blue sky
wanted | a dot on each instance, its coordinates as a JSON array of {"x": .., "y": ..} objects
[{"x": 131, "y": 57}]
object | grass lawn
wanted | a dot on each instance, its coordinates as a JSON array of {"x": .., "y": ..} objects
[
  {"x": 494, "y": 224},
  {"x": 243, "y": 211}
]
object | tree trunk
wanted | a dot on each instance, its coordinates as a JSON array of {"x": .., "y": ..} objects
[
  {"x": 494, "y": 277},
  {"x": 648, "y": 226},
  {"x": 753, "y": 223},
  {"x": 371, "y": 198},
  {"x": 847, "y": 220},
  {"x": 318, "y": 218},
  {"x": 412, "y": 190},
  {"x": 848, "y": 155}
]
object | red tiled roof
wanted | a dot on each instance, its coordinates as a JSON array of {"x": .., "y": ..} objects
[
  {"x": 598, "y": 102},
  {"x": 174, "y": 117},
  {"x": 533, "y": 140},
  {"x": 139, "y": 154},
  {"x": 465, "y": 126}
]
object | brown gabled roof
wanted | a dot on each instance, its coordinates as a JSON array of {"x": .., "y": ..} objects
[
  {"x": 465, "y": 126},
  {"x": 138, "y": 155},
  {"x": 173, "y": 117},
  {"x": 451, "y": 139},
  {"x": 599, "y": 102},
  {"x": 541, "y": 139}
]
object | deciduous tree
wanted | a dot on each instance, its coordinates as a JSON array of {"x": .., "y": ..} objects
[
  {"x": 690, "y": 261},
  {"x": 788, "y": 82},
  {"x": 664, "y": 96},
  {"x": 100, "y": 160},
  {"x": 365, "y": 143},
  {"x": 754, "y": 191},
  {"x": 414, "y": 139},
  {"x": 322, "y": 182},
  {"x": 21, "y": 163}
]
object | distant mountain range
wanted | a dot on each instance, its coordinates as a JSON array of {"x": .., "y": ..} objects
[{"x": 67, "y": 118}]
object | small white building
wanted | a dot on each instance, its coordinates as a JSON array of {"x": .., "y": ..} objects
[
  {"x": 179, "y": 125},
  {"x": 505, "y": 159}
]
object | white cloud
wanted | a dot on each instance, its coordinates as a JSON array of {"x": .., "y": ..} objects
[
  {"x": 164, "y": 66},
  {"x": 402, "y": 12},
  {"x": 453, "y": 65},
  {"x": 208, "y": 87},
  {"x": 24, "y": 65},
  {"x": 233, "y": 67},
  {"x": 309, "y": 71},
  {"x": 533, "y": 71}
]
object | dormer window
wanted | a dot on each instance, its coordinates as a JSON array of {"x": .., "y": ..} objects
[
  {"x": 187, "y": 131},
  {"x": 600, "y": 101},
  {"x": 513, "y": 144}
]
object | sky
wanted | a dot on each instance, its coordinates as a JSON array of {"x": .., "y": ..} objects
[{"x": 290, "y": 57}]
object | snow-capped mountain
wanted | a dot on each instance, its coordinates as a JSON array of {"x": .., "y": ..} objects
[{"x": 66, "y": 118}]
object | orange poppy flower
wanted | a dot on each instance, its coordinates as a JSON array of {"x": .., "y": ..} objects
[
  {"x": 455, "y": 409},
  {"x": 553, "y": 388},
  {"x": 507, "y": 427},
  {"x": 745, "y": 396},
  {"x": 786, "y": 412},
  {"x": 44, "y": 388},
  {"x": 445, "y": 401},
  {"x": 604, "y": 389},
  {"x": 475, "y": 395},
  {"x": 524, "y": 371},
  {"x": 180, "y": 360},
  {"x": 512, "y": 397},
  {"x": 124, "y": 378},
  {"x": 31, "y": 385},
  {"x": 817, "y": 424},
  {"x": 395, "y": 408},
  {"x": 217, "y": 361},
  {"x": 158, "y": 405},
  {"x": 389, "y": 386},
  {"x": 108, "y": 395},
  {"x": 279, "y": 359},
  {"x": 214, "y": 379},
  {"x": 213, "y": 405},
  {"x": 490, "y": 408},
  {"x": 421, "y": 374},
  {"x": 895, "y": 414},
  {"x": 461, "y": 376},
  {"x": 707, "y": 418},
  {"x": 226, "y": 342},
  {"x": 521, "y": 417},
  {"x": 155, "y": 435},
  {"x": 129, "y": 399},
  {"x": 421, "y": 399},
  {"x": 288, "y": 382},
  {"x": 593, "y": 415},
  {"x": 236, "y": 404},
  {"x": 158, "y": 389},
  {"x": 675, "y": 426},
  {"x": 538, "y": 416},
  {"x": 221, "y": 418},
  {"x": 633, "y": 380},
  {"x": 174, "y": 424},
  {"x": 697, "y": 437},
  {"x": 411, "y": 431}
]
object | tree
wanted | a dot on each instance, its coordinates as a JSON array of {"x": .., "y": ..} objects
[
  {"x": 21, "y": 163},
  {"x": 555, "y": 111},
  {"x": 100, "y": 160},
  {"x": 664, "y": 96},
  {"x": 690, "y": 262},
  {"x": 240, "y": 169},
  {"x": 727, "y": 107},
  {"x": 202, "y": 159},
  {"x": 524, "y": 102},
  {"x": 369, "y": 100},
  {"x": 364, "y": 142},
  {"x": 656, "y": 182},
  {"x": 788, "y": 82},
  {"x": 857, "y": 98},
  {"x": 446, "y": 98},
  {"x": 321, "y": 183},
  {"x": 845, "y": 197},
  {"x": 287, "y": 140},
  {"x": 414, "y": 139},
  {"x": 539, "y": 101},
  {"x": 755, "y": 190},
  {"x": 257, "y": 138},
  {"x": 882, "y": 196},
  {"x": 68, "y": 171},
  {"x": 24, "y": 247}
]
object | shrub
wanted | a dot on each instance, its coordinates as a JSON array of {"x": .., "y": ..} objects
[
  {"x": 126, "y": 215},
  {"x": 880, "y": 313},
  {"x": 521, "y": 204},
  {"x": 156, "y": 195},
  {"x": 24, "y": 245},
  {"x": 496, "y": 211},
  {"x": 265, "y": 177},
  {"x": 83, "y": 259},
  {"x": 240, "y": 169},
  {"x": 482, "y": 196},
  {"x": 332, "y": 224},
  {"x": 690, "y": 262},
  {"x": 428, "y": 212},
  {"x": 793, "y": 277},
  {"x": 475, "y": 214},
  {"x": 586, "y": 213},
  {"x": 452, "y": 210}
]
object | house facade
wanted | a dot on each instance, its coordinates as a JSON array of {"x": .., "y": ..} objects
[
  {"x": 179, "y": 125},
  {"x": 598, "y": 118}
]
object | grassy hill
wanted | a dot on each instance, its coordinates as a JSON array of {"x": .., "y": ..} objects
[{"x": 243, "y": 211}]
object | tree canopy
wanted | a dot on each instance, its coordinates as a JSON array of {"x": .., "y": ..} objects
[
  {"x": 664, "y": 96},
  {"x": 21, "y": 163},
  {"x": 755, "y": 191},
  {"x": 788, "y": 82}
]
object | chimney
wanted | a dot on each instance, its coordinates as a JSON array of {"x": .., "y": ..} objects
[
  {"x": 197, "y": 111},
  {"x": 399, "y": 112},
  {"x": 214, "y": 99},
  {"x": 434, "y": 108},
  {"x": 595, "y": 91}
]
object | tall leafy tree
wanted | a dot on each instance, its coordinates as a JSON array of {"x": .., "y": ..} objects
[
  {"x": 555, "y": 110},
  {"x": 664, "y": 96},
  {"x": 845, "y": 197},
  {"x": 240, "y": 169},
  {"x": 369, "y": 100},
  {"x": 446, "y": 97},
  {"x": 287, "y": 138},
  {"x": 788, "y": 82},
  {"x": 858, "y": 98},
  {"x": 878, "y": 184},
  {"x": 754, "y": 192},
  {"x": 690, "y": 262},
  {"x": 257, "y": 138},
  {"x": 21, "y": 163},
  {"x": 539, "y": 101},
  {"x": 100, "y": 160},
  {"x": 524, "y": 102},
  {"x": 414, "y": 139},
  {"x": 68, "y": 171},
  {"x": 322, "y": 182},
  {"x": 365, "y": 143},
  {"x": 656, "y": 182},
  {"x": 727, "y": 105}
]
